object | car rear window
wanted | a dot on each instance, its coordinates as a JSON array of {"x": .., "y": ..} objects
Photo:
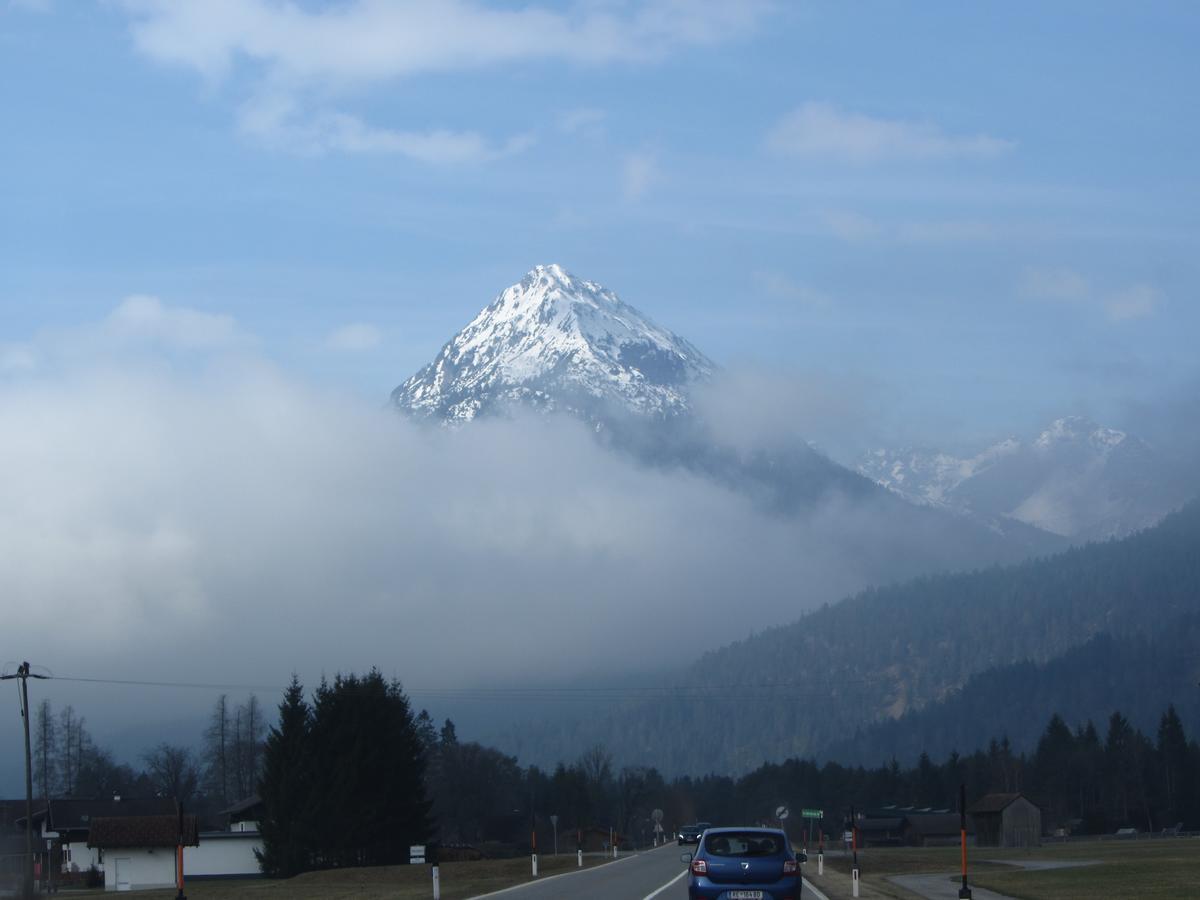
[{"x": 743, "y": 843}]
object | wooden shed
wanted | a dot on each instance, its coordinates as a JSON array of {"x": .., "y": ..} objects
[{"x": 1006, "y": 820}]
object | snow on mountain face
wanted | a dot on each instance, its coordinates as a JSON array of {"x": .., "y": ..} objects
[
  {"x": 928, "y": 476},
  {"x": 554, "y": 341},
  {"x": 1076, "y": 479}
]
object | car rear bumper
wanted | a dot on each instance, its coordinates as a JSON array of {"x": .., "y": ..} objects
[{"x": 700, "y": 888}]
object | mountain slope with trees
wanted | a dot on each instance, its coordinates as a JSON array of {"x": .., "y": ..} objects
[{"x": 807, "y": 687}]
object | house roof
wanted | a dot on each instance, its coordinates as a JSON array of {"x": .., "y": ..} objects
[
  {"x": 78, "y": 813},
  {"x": 143, "y": 831},
  {"x": 936, "y": 824},
  {"x": 243, "y": 805},
  {"x": 993, "y": 803},
  {"x": 881, "y": 824}
]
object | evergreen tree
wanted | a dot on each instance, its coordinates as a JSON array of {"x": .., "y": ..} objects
[
  {"x": 1173, "y": 759},
  {"x": 1120, "y": 765},
  {"x": 288, "y": 789},
  {"x": 367, "y": 756},
  {"x": 1053, "y": 778}
]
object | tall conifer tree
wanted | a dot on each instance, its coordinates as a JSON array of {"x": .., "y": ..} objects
[{"x": 288, "y": 789}]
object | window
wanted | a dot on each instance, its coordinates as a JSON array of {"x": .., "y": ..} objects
[{"x": 743, "y": 843}]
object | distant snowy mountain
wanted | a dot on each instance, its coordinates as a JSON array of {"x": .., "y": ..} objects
[
  {"x": 1076, "y": 479},
  {"x": 556, "y": 342}
]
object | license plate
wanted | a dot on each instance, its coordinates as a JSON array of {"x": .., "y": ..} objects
[{"x": 745, "y": 895}]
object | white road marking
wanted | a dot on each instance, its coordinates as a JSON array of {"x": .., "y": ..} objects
[
  {"x": 655, "y": 893},
  {"x": 808, "y": 884},
  {"x": 545, "y": 878}
]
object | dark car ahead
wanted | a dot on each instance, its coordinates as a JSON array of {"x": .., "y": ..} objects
[
  {"x": 689, "y": 834},
  {"x": 744, "y": 864}
]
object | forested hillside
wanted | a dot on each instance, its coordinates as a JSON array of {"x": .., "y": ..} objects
[
  {"x": 1138, "y": 674},
  {"x": 808, "y": 687}
]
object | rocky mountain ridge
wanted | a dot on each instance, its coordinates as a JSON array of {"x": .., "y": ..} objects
[
  {"x": 1076, "y": 479},
  {"x": 553, "y": 341}
]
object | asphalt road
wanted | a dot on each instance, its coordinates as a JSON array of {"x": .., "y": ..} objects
[
  {"x": 657, "y": 874},
  {"x": 636, "y": 876}
]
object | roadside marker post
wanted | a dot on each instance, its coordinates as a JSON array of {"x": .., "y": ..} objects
[
  {"x": 854, "y": 873},
  {"x": 579, "y": 848},
  {"x": 820, "y": 851},
  {"x": 964, "y": 892}
]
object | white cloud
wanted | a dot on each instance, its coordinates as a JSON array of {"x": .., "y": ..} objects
[
  {"x": 221, "y": 505},
  {"x": 354, "y": 337},
  {"x": 1135, "y": 302},
  {"x": 1064, "y": 285},
  {"x": 279, "y": 121},
  {"x": 373, "y": 40},
  {"x": 638, "y": 173},
  {"x": 300, "y": 56},
  {"x": 145, "y": 319},
  {"x": 585, "y": 120},
  {"x": 822, "y": 131}
]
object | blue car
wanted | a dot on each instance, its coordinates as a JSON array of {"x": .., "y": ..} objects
[{"x": 744, "y": 864}]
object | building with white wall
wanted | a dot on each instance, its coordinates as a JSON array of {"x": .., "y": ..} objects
[
  {"x": 140, "y": 851},
  {"x": 224, "y": 854}
]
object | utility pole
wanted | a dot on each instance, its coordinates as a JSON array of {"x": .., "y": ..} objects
[
  {"x": 24, "y": 675},
  {"x": 964, "y": 892}
]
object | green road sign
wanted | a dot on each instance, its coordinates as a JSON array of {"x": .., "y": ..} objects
[{"x": 812, "y": 814}]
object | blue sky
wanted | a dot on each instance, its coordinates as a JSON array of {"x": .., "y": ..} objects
[{"x": 983, "y": 213}]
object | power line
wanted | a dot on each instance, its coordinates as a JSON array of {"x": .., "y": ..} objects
[
  {"x": 740, "y": 692},
  {"x": 130, "y": 682}
]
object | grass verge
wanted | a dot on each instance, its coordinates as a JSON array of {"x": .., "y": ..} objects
[{"x": 458, "y": 881}]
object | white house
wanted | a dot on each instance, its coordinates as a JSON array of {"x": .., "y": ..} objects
[
  {"x": 64, "y": 824},
  {"x": 140, "y": 851}
]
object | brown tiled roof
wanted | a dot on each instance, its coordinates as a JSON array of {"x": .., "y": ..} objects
[
  {"x": 992, "y": 803},
  {"x": 142, "y": 831},
  {"x": 78, "y": 813}
]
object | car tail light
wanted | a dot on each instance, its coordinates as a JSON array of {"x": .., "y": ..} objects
[
  {"x": 699, "y": 866},
  {"x": 789, "y": 867}
]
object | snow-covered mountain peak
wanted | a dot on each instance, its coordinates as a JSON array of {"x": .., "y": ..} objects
[
  {"x": 1076, "y": 479},
  {"x": 556, "y": 341},
  {"x": 1079, "y": 430}
]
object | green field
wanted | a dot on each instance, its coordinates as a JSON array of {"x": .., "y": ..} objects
[{"x": 1122, "y": 869}]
